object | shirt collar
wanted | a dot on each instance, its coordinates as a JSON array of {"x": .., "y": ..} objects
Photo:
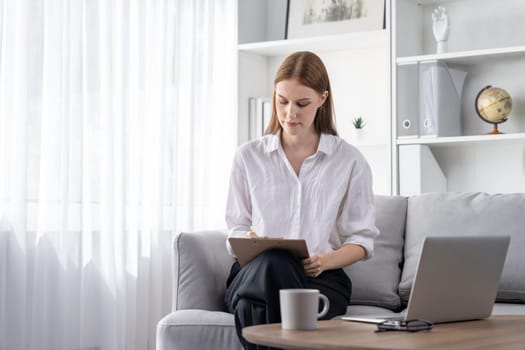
[
  {"x": 327, "y": 143},
  {"x": 273, "y": 142}
]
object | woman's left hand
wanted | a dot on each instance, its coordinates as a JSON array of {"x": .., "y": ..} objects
[{"x": 313, "y": 265}]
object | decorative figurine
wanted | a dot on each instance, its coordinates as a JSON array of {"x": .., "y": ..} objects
[{"x": 440, "y": 28}]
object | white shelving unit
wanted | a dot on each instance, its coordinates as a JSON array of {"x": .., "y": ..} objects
[
  {"x": 485, "y": 41},
  {"x": 358, "y": 64}
]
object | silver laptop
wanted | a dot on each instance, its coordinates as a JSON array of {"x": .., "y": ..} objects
[{"x": 456, "y": 279}]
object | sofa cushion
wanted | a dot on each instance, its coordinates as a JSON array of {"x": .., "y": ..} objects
[
  {"x": 367, "y": 310},
  {"x": 508, "y": 309},
  {"x": 443, "y": 214},
  {"x": 212, "y": 330},
  {"x": 375, "y": 281}
]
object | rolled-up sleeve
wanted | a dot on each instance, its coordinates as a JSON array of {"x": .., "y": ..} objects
[{"x": 356, "y": 223}]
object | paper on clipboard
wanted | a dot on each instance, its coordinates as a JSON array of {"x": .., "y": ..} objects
[{"x": 247, "y": 249}]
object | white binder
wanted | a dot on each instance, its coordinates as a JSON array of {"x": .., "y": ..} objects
[{"x": 440, "y": 89}]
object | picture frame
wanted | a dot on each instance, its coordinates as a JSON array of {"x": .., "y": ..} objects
[{"x": 307, "y": 18}]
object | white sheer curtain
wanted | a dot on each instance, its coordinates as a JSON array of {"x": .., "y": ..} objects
[{"x": 116, "y": 131}]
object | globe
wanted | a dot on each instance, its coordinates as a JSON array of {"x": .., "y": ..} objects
[{"x": 493, "y": 105}]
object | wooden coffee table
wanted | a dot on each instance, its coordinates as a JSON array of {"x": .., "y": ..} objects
[{"x": 496, "y": 332}]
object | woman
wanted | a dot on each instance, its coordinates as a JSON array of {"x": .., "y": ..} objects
[{"x": 300, "y": 180}]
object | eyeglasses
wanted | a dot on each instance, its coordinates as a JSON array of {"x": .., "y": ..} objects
[{"x": 406, "y": 326}]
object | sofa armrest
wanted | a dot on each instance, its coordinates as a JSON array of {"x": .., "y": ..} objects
[{"x": 201, "y": 267}]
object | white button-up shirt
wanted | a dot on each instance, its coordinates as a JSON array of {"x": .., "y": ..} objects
[{"x": 329, "y": 204}]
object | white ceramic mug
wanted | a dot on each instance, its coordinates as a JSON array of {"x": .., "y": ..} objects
[{"x": 299, "y": 308}]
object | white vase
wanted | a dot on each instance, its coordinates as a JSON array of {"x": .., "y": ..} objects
[{"x": 358, "y": 135}]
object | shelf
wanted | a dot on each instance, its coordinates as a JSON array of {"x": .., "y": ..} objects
[
  {"x": 340, "y": 42},
  {"x": 467, "y": 57},
  {"x": 366, "y": 144},
  {"x": 431, "y": 2},
  {"x": 461, "y": 140}
]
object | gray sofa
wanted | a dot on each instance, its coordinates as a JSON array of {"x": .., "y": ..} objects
[{"x": 380, "y": 285}]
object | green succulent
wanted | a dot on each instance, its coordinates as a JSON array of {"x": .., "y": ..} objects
[{"x": 359, "y": 122}]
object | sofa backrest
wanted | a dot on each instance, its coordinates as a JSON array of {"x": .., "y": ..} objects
[
  {"x": 441, "y": 214},
  {"x": 375, "y": 281}
]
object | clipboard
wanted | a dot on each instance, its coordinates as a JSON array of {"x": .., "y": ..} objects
[{"x": 247, "y": 249}]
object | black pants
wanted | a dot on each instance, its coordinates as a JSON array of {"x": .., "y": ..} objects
[{"x": 252, "y": 293}]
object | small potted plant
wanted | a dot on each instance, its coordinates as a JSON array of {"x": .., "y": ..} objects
[{"x": 359, "y": 124}]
